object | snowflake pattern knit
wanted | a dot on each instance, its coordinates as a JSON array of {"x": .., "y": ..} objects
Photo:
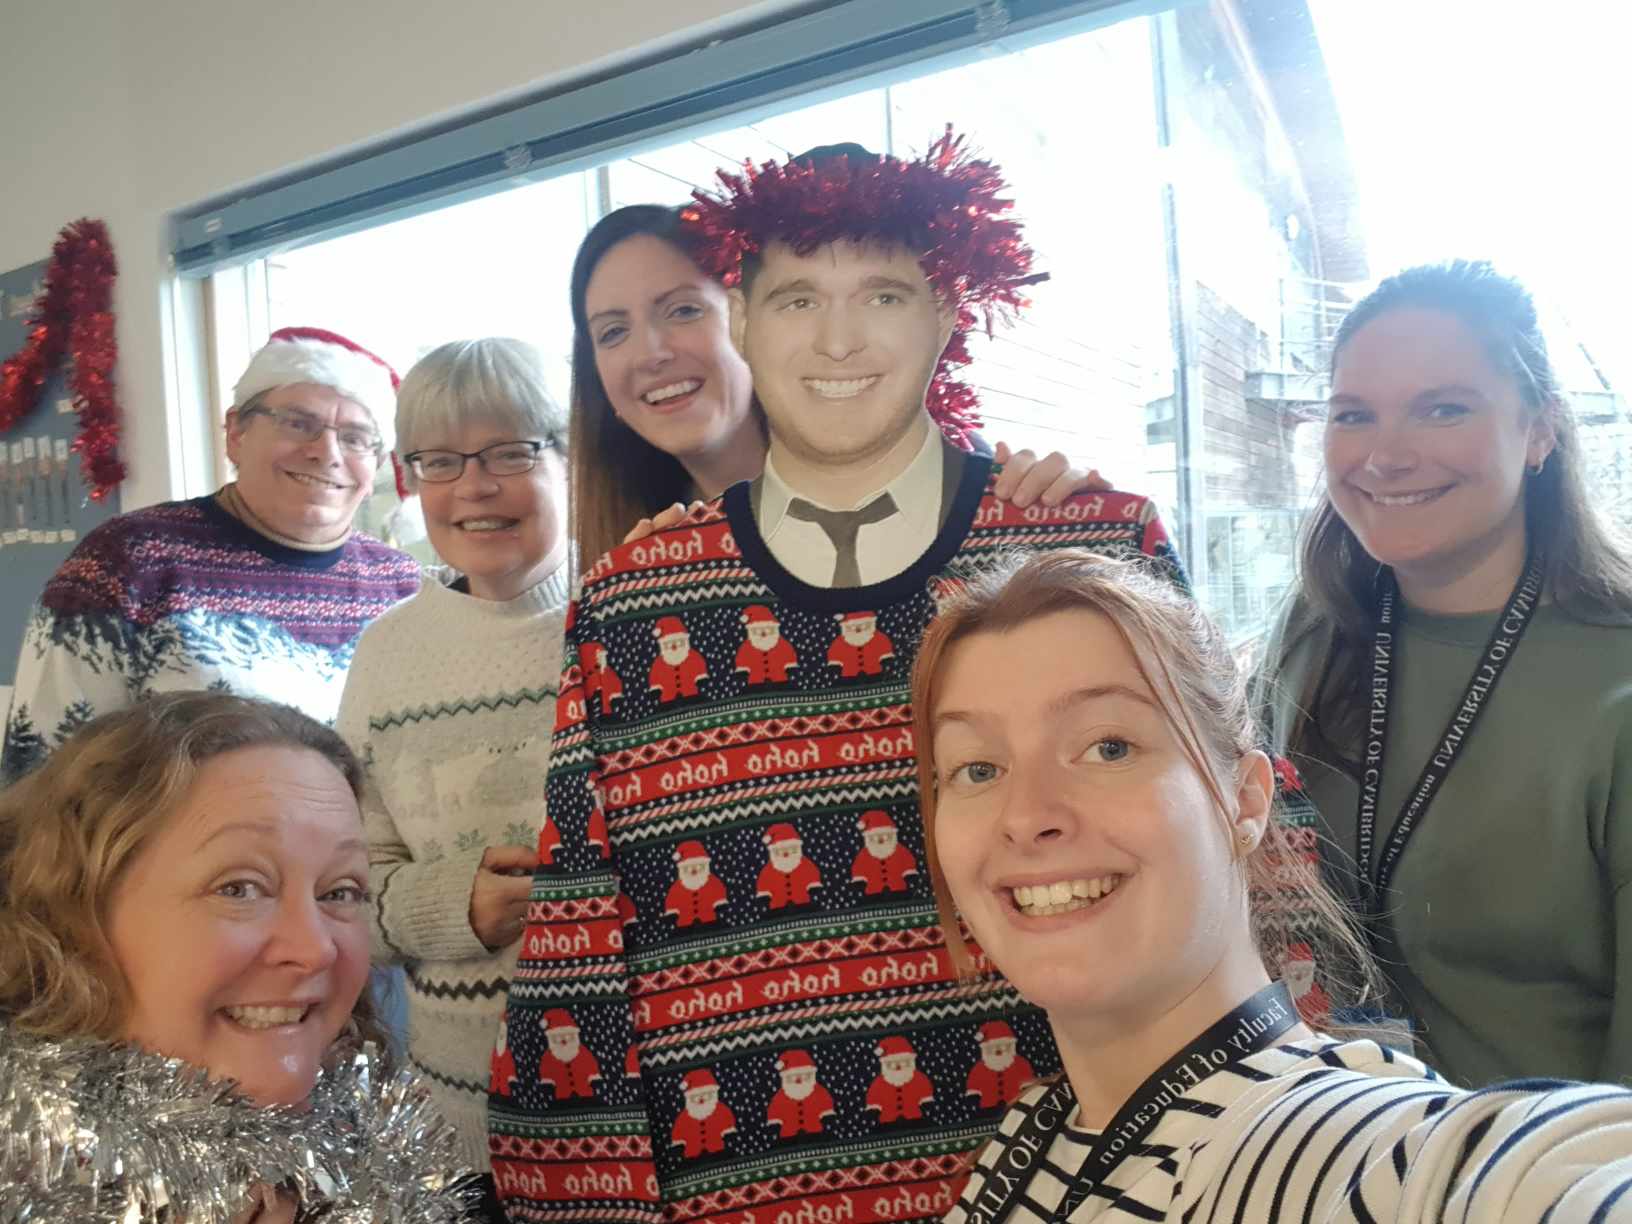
[
  {"x": 733, "y": 1001},
  {"x": 184, "y": 596}
]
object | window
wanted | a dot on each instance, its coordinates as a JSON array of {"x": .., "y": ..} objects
[{"x": 1209, "y": 187}]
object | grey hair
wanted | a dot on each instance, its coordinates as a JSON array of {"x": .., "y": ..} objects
[{"x": 493, "y": 379}]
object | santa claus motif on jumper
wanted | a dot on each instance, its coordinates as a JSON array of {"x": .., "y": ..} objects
[
  {"x": 1000, "y": 1074},
  {"x": 697, "y": 894},
  {"x": 900, "y": 1091},
  {"x": 801, "y": 1105},
  {"x": 860, "y": 649},
  {"x": 707, "y": 1120},
  {"x": 766, "y": 655},
  {"x": 599, "y": 678},
  {"x": 884, "y": 863},
  {"x": 566, "y": 1064},
  {"x": 503, "y": 1076},
  {"x": 549, "y": 841},
  {"x": 789, "y": 876},
  {"x": 595, "y": 833},
  {"x": 1298, "y": 972},
  {"x": 631, "y": 1063},
  {"x": 678, "y": 667}
]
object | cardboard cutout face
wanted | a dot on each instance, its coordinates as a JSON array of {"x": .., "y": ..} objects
[{"x": 841, "y": 344}]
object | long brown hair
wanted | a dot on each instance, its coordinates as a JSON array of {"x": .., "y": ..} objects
[
  {"x": 1588, "y": 571},
  {"x": 71, "y": 829},
  {"x": 618, "y": 478},
  {"x": 1188, "y": 665}
]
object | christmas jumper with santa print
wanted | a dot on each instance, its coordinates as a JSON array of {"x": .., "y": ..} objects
[{"x": 734, "y": 883}]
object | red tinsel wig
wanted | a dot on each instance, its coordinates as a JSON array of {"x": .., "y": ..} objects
[{"x": 947, "y": 206}]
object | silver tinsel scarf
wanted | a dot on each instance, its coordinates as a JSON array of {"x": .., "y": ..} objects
[{"x": 96, "y": 1133}]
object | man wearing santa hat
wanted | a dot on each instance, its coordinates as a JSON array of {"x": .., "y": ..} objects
[
  {"x": 765, "y": 654},
  {"x": 883, "y": 864},
  {"x": 788, "y": 878},
  {"x": 707, "y": 1120},
  {"x": 566, "y": 1064},
  {"x": 697, "y": 893},
  {"x": 860, "y": 649},
  {"x": 801, "y": 1105},
  {"x": 677, "y": 668},
  {"x": 261, "y": 588},
  {"x": 1000, "y": 1074},
  {"x": 901, "y": 1090}
]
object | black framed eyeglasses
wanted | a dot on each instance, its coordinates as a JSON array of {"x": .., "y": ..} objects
[
  {"x": 500, "y": 459},
  {"x": 305, "y": 427}
]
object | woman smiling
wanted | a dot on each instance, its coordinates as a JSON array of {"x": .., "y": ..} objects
[
  {"x": 1099, "y": 818},
  {"x": 187, "y": 879},
  {"x": 1453, "y": 682}
]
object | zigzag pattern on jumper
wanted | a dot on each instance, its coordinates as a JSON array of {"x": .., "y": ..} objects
[
  {"x": 469, "y": 705},
  {"x": 183, "y": 596},
  {"x": 732, "y": 949}
]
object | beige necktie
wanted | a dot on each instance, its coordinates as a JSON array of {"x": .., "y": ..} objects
[{"x": 841, "y": 527}]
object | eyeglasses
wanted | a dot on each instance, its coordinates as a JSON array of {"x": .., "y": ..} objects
[
  {"x": 307, "y": 428},
  {"x": 500, "y": 459}
]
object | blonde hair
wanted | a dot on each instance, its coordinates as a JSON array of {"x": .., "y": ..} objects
[
  {"x": 1186, "y": 662},
  {"x": 71, "y": 829}
]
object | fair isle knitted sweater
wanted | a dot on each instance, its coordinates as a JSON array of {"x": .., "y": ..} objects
[
  {"x": 448, "y": 706},
  {"x": 184, "y": 596}
]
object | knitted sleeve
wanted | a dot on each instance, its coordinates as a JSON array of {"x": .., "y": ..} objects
[
  {"x": 572, "y": 1139},
  {"x": 81, "y": 655},
  {"x": 421, "y": 910}
]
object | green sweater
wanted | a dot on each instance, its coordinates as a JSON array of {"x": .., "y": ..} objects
[{"x": 1511, "y": 926}]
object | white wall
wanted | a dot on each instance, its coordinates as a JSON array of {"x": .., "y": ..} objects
[{"x": 132, "y": 111}]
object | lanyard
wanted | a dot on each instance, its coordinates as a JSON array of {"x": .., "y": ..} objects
[
  {"x": 1499, "y": 650},
  {"x": 1253, "y": 1026}
]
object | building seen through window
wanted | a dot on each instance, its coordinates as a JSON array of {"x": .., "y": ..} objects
[{"x": 1210, "y": 188}]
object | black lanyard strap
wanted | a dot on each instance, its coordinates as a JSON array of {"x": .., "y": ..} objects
[
  {"x": 1244, "y": 1031},
  {"x": 1499, "y": 651}
]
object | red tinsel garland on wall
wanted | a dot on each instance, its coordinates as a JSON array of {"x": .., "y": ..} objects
[{"x": 74, "y": 314}]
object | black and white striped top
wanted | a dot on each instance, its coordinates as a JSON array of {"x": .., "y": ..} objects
[{"x": 1320, "y": 1130}]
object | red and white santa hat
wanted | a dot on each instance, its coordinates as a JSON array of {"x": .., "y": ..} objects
[
  {"x": 691, "y": 852},
  {"x": 558, "y": 1020},
  {"x": 758, "y": 614},
  {"x": 313, "y": 355},
  {"x": 700, "y": 1079},
  {"x": 995, "y": 1030},
  {"x": 781, "y": 835},
  {"x": 892, "y": 1046},
  {"x": 316, "y": 355},
  {"x": 795, "y": 1060},
  {"x": 1299, "y": 952},
  {"x": 871, "y": 822},
  {"x": 668, "y": 626},
  {"x": 856, "y": 618}
]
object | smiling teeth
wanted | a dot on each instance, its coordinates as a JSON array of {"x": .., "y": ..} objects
[
  {"x": 486, "y": 524},
  {"x": 832, "y": 388},
  {"x": 317, "y": 481},
  {"x": 1063, "y": 896},
  {"x": 1405, "y": 499},
  {"x": 671, "y": 391},
  {"x": 266, "y": 1017}
]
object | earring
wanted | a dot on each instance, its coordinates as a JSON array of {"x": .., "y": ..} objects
[{"x": 1247, "y": 838}]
